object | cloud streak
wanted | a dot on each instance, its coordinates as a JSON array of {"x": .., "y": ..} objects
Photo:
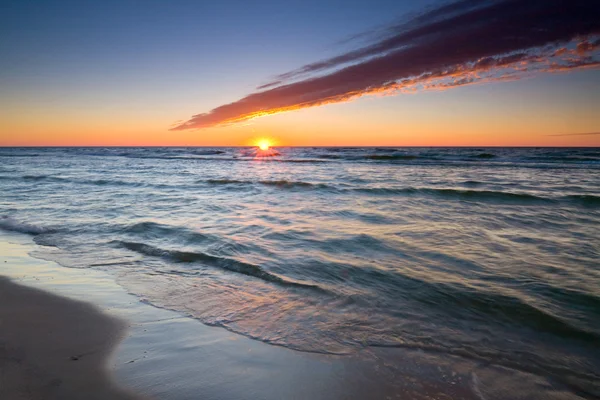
[
  {"x": 461, "y": 43},
  {"x": 577, "y": 134}
]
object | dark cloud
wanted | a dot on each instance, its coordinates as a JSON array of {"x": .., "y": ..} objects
[
  {"x": 404, "y": 34},
  {"x": 459, "y": 43}
]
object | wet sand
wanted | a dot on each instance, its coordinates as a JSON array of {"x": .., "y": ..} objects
[{"x": 54, "y": 348}]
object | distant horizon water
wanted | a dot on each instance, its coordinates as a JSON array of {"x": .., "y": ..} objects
[{"x": 297, "y": 147}]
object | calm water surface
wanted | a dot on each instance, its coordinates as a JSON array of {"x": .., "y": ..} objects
[{"x": 491, "y": 254}]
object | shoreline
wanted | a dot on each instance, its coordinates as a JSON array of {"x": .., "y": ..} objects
[{"x": 167, "y": 355}]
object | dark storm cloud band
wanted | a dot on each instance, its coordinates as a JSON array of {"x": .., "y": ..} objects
[{"x": 460, "y": 43}]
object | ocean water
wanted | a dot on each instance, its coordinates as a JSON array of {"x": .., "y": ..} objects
[{"x": 491, "y": 254}]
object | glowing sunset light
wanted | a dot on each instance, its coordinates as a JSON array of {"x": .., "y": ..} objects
[
  {"x": 451, "y": 73},
  {"x": 264, "y": 144},
  {"x": 264, "y": 148}
]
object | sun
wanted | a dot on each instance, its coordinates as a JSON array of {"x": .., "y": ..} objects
[{"x": 264, "y": 144}]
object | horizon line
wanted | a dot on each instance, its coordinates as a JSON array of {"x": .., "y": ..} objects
[{"x": 290, "y": 146}]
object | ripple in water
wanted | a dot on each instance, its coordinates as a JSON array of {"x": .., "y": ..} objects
[{"x": 490, "y": 254}]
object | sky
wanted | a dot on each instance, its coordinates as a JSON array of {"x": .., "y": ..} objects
[{"x": 301, "y": 73}]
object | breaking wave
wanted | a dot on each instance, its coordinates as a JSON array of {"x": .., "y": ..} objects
[
  {"x": 212, "y": 261},
  {"x": 10, "y": 224}
]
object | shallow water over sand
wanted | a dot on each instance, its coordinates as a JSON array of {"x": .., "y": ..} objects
[{"x": 488, "y": 254}]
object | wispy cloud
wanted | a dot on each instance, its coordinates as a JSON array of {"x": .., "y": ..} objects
[
  {"x": 460, "y": 43},
  {"x": 577, "y": 134}
]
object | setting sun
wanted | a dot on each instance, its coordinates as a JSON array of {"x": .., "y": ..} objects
[{"x": 264, "y": 144}]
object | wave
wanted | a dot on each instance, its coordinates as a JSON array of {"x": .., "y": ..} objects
[
  {"x": 149, "y": 229},
  {"x": 330, "y": 156},
  {"x": 387, "y": 157},
  {"x": 293, "y": 184},
  {"x": 102, "y": 182},
  {"x": 33, "y": 178},
  {"x": 19, "y": 155},
  {"x": 592, "y": 159},
  {"x": 587, "y": 200},
  {"x": 513, "y": 309},
  {"x": 487, "y": 306},
  {"x": 10, "y": 224},
  {"x": 300, "y": 160},
  {"x": 431, "y": 157},
  {"x": 166, "y": 157},
  {"x": 225, "y": 182},
  {"x": 141, "y": 227},
  {"x": 213, "y": 261},
  {"x": 282, "y": 184},
  {"x": 486, "y": 195},
  {"x": 472, "y": 183},
  {"x": 36, "y": 177},
  {"x": 484, "y": 156},
  {"x": 461, "y": 194},
  {"x": 144, "y": 153},
  {"x": 95, "y": 182}
]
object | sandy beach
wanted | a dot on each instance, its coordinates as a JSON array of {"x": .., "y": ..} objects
[{"x": 54, "y": 348}]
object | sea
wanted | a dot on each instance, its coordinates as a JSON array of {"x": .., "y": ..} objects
[{"x": 491, "y": 254}]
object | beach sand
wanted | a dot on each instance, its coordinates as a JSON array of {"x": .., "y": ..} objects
[
  {"x": 167, "y": 355},
  {"x": 54, "y": 348}
]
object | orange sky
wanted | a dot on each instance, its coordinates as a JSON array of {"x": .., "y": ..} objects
[{"x": 499, "y": 114}]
